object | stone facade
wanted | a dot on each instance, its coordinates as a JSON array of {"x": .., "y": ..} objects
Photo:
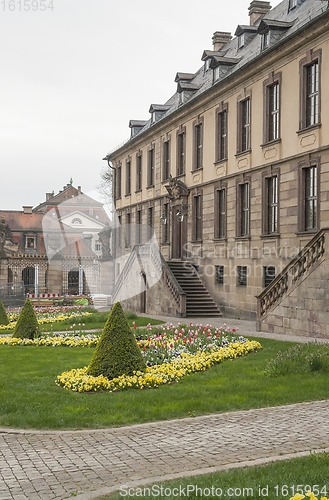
[{"x": 256, "y": 173}]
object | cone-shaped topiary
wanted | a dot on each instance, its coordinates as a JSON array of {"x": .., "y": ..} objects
[
  {"x": 27, "y": 324},
  {"x": 3, "y": 315},
  {"x": 117, "y": 352}
]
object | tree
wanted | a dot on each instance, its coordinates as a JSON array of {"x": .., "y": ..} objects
[
  {"x": 27, "y": 326},
  {"x": 3, "y": 315},
  {"x": 117, "y": 352}
]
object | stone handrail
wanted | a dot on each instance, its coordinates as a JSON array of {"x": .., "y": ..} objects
[
  {"x": 124, "y": 273},
  {"x": 175, "y": 289},
  {"x": 159, "y": 262},
  {"x": 296, "y": 268}
]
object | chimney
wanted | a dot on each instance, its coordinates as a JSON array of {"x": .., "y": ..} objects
[
  {"x": 221, "y": 38},
  {"x": 257, "y": 9},
  {"x": 48, "y": 196},
  {"x": 27, "y": 210},
  {"x": 79, "y": 190}
]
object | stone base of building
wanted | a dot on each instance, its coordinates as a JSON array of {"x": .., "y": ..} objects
[
  {"x": 155, "y": 301},
  {"x": 304, "y": 310}
]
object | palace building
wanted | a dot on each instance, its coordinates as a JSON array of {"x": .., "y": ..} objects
[{"x": 232, "y": 173}]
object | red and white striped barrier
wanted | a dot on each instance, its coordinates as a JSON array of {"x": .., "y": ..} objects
[{"x": 48, "y": 295}]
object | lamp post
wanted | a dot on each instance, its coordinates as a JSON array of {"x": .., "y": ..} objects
[{"x": 113, "y": 212}]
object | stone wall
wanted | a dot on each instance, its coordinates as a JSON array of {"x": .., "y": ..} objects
[
  {"x": 159, "y": 301},
  {"x": 304, "y": 310}
]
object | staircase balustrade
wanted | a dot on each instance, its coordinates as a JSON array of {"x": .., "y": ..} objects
[
  {"x": 143, "y": 252},
  {"x": 293, "y": 272},
  {"x": 176, "y": 290}
]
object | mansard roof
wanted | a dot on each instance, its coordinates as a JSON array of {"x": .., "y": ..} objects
[
  {"x": 184, "y": 76},
  {"x": 243, "y": 28},
  {"x": 267, "y": 24},
  {"x": 285, "y": 21}
]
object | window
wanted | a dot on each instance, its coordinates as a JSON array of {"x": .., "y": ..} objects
[
  {"x": 221, "y": 129},
  {"x": 265, "y": 40},
  {"x": 138, "y": 172},
  {"x": 240, "y": 41},
  {"x": 273, "y": 112},
  {"x": 242, "y": 275},
  {"x": 30, "y": 242},
  {"x": 165, "y": 227},
  {"x": 98, "y": 246},
  {"x": 269, "y": 275},
  {"x": 150, "y": 168},
  {"x": 166, "y": 161},
  {"x": 181, "y": 153},
  {"x": 150, "y": 222},
  {"x": 127, "y": 230},
  {"x": 272, "y": 205},
  {"x": 128, "y": 177},
  {"x": 310, "y": 89},
  {"x": 272, "y": 101},
  {"x": 244, "y": 125},
  {"x": 216, "y": 73},
  {"x": 198, "y": 145},
  {"x": 139, "y": 227},
  {"x": 219, "y": 275},
  {"x": 197, "y": 217},
  {"x": 119, "y": 231},
  {"x": 245, "y": 210},
  {"x": 220, "y": 213},
  {"x": 309, "y": 194},
  {"x": 310, "y": 198},
  {"x": 118, "y": 187},
  {"x": 76, "y": 221},
  {"x": 312, "y": 94},
  {"x": 207, "y": 64}
]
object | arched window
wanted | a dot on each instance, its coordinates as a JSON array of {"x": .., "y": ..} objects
[{"x": 76, "y": 221}]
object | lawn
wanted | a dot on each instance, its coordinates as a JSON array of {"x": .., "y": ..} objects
[
  {"x": 94, "y": 321},
  {"x": 29, "y": 397},
  {"x": 278, "y": 480}
]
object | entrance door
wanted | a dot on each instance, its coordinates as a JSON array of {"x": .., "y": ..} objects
[
  {"x": 73, "y": 282},
  {"x": 143, "y": 294},
  {"x": 179, "y": 235},
  {"x": 28, "y": 277}
]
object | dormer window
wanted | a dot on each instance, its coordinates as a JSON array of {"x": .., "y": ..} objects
[
  {"x": 265, "y": 40},
  {"x": 207, "y": 64},
  {"x": 216, "y": 74},
  {"x": 241, "y": 41},
  {"x": 30, "y": 241},
  {"x": 181, "y": 97},
  {"x": 153, "y": 117}
]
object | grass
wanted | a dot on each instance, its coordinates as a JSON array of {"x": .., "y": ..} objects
[
  {"x": 277, "y": 480},
  {"x": 95, "y": 321},
  {"x": 29, "y": 397}
]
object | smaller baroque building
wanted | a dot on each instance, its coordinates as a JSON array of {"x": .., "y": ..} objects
[{"x": 56, "y": 247}]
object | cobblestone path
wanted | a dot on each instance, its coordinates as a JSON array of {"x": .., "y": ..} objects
[{"x": 53, "y": 465}]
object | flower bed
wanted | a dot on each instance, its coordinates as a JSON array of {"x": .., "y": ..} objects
[
  {"x": 46, "y": 315},
  {"x": 54, "y": 341},
  {"x": 170, "y": 355}
]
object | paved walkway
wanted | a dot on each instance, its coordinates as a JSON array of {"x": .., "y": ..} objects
[{"x": 54, "y": 465}]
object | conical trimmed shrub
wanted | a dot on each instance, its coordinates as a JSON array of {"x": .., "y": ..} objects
[
  {"x": 117, "y": 352},
  {"x": 27, "y": 326},
  {"x": 3, "y": 315}
]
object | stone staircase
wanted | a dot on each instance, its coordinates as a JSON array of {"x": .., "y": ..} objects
[{"x": 198, "y": 300}]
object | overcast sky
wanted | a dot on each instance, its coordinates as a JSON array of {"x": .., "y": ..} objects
[{"x": 73, "y": 76}]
